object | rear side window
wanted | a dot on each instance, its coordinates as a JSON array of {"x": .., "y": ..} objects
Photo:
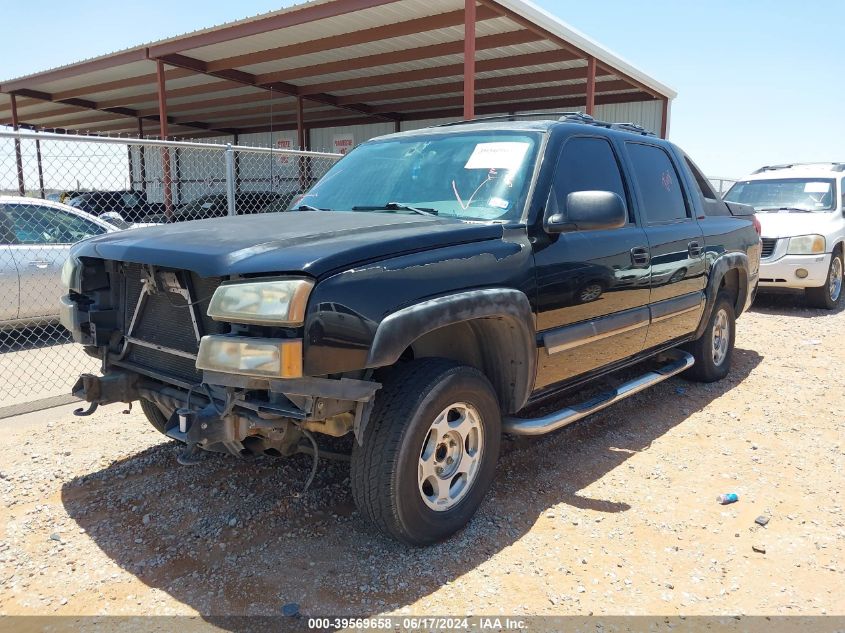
[
  {"x": 585, "y": 164},
  {"x": 704, "y": 187},
  {"x": 659, "y": 184}
]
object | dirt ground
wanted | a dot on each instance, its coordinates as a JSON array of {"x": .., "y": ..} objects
[{"x": 613, "y": 515}]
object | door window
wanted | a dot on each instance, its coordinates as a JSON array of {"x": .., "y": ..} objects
[
  {"x": 585, "y": 164},
  {"x": 659, "y": 184},
  {"x": 7, "y": 233},
  {"x": 34, "y": 224}
]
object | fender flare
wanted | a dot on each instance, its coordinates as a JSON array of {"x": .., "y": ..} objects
[
  {"x": 718, "y": 270},
  {"x": 400, "y": 329}
]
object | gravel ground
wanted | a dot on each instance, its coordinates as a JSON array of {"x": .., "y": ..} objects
[{"x": 614, "y": 515}]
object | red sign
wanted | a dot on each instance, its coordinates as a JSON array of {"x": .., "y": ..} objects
[{"x": 343, "y": 143}]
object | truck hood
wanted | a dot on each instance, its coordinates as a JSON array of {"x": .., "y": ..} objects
[
  {"x": 312, "y": 242},
  {"x": 790, "y": 224}
]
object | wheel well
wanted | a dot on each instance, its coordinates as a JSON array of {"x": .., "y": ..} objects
[
  {"x": 730, "y": 285},
  {"x": 491, "y": 345}
]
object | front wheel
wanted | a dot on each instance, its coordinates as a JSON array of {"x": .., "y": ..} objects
[
  {"x": 154, "y": 415},
  {"x": 429, "y": 451},
  {"x": 713, "y": 350},
  {"x": 829, "y": 295}
]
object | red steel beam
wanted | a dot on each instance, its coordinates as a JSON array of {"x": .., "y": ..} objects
[
  {"x": 437, "y": 72},
  {"x": 513, "y": 96},
  {"x": 142, "y": 157},
  {"x": 354, "y": 38},
  {"x": 165, "y": 151},
  {"x": 526, "y": 106},
  {"x": 300, "y": 124},
  {"x": 664, "y": 121},
  {"x": 591, "y": 85},
  {"x": 257, "y": 26},
  {"x": 75, "y": 70},
  {"x": 457, "y": 87},
  {"x": 251, "y": 80},
  {"x": 469, "y": 59},
  {"x": 417, "y": 53},
  {"x": 18, "y": 156}
]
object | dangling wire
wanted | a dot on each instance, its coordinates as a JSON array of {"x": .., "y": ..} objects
[{"x": 299, "y": 495}]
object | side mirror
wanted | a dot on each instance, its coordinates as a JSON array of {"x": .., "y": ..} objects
[{"x": 590, "y": 211}]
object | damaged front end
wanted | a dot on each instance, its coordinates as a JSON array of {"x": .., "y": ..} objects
[{"x": 226, "y": 379}]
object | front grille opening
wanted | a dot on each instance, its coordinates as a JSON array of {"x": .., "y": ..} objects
[
  {"x": 165, "y": 319},
  {"x": 769, "y": 245}
]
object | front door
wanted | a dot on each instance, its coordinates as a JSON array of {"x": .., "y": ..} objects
[
  {"x": 43, "y": 235},
  {"x": 676, "y": 242},
  {"x": 593, "y": 286}
]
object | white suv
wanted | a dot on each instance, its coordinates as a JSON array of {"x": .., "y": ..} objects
[{"x": 801, "y": 208}]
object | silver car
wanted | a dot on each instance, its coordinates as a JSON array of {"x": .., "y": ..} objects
[{"x": 35, "y": 238}]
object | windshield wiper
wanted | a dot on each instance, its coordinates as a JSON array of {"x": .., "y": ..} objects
[
  {"x": 800, "y": 210},
  {"x": 308, "y": 207},
  {"x": 398, "y": 206}
]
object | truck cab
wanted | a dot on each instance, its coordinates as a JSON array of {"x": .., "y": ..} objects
[{"x": 801, "y": 209}]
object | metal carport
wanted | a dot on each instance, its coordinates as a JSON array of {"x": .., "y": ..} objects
[{"x": 339, "y": 63}]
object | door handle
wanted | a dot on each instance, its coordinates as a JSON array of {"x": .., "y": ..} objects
[
  {"x": 39, "y": 263},
  {"x": 640, "y": 256},
  {"x": 695, "y": 249}
]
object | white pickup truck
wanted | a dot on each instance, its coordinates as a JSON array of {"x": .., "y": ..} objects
[{"x": 801, "y": 208}]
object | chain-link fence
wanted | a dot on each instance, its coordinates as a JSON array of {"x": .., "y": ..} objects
[
  {"x": 722, "y": 185},
  {"x": 56, "y": 190}
]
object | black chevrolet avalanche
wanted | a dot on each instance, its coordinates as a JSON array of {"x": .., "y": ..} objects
[{"x": 423, "y": 298}]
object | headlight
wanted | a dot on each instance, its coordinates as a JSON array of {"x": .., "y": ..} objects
[
  {"x": 72, "y": 274},
  {"x": 268, "y": 302},
  {"x": 806, "y": 245},
  {"x": 265, "y": 357}
]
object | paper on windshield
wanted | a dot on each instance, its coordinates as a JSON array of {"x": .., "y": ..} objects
[
  {"x": 507, "y": 155},
  {"x": 816, "y": 187}
]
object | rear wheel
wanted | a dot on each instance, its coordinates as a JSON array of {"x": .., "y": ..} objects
[
  {"x": 154, "y": 415},
  {"x": 429, "y": 451},
  {"x": 713, "y": 350},
  {"x": 829, "y": 295}
]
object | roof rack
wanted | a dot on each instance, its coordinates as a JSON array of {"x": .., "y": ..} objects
[
  {"x": 833, "y": 164},
  {"x": 565, "y": 117}
]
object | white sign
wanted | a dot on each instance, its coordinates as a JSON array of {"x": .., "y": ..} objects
[
  {"x": 816, "y": 187},
  {"x": 285, "y": 142},
  {"x": 504, "y": 155},
  {"x": 343, "y": 143}
]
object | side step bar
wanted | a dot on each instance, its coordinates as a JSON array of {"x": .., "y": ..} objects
[{"x": 678, "y": 361}]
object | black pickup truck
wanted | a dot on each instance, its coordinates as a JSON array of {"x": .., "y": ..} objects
[{"x": 422, "y": 298}]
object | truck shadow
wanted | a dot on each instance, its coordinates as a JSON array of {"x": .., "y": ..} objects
[
  {"x": 791, "y": 305},
  {"x": 228, "y": 538}
]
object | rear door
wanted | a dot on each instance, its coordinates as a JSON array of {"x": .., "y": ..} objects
[
  {"x": 9, "y": 283},
  {"x": 676, "y": 242},
  {"x": 593, "y": 286},
  {"x": 44, "y": 235}
]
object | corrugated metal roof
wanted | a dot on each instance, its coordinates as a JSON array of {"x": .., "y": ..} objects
[{"x": 348, "y": 51}]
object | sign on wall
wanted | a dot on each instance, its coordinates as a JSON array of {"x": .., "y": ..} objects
[
  {"x": 285, "y": 142},
  {"x": 342, "y": 143}
]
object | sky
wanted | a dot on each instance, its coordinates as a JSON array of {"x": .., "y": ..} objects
[{"x": 759, "y": 81}]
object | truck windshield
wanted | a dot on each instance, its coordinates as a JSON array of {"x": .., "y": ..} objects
[
  {"x": 470, "y": 176},
  {"x": 785, "y": 194}
]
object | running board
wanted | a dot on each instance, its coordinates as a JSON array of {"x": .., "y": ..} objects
[{"x": 678, "y": 361}]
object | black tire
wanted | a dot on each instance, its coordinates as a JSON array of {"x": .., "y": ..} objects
[
  {"x": 706, "y": 368},
  {"x": 385, "y": 479},
  {"x": 154, "y": 415},
  {"x": 821, "y": 297}
]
